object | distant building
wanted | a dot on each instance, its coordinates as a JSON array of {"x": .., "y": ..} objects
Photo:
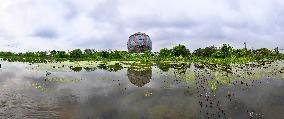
[{"x": 139, "y": 43}]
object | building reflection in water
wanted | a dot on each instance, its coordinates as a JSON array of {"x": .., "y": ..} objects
[{"x": 139, "y": 76}]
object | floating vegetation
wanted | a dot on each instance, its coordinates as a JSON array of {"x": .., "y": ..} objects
[
  {"x": 48, "y": 83},
  {"x": 61, "y": 80},
  {"x": 147, "y": 94},
  {"x": 39, "y": 87}
]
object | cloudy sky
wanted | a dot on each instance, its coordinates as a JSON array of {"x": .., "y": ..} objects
[{"x": 31, "y": 25}]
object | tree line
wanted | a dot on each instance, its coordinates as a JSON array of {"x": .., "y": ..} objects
[{"x": 177, "y": 53}]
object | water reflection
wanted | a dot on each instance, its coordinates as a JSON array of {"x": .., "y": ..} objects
[
  {"x": 174, "y": 90},
  {"x": 112, "y": 68},
  {"x": 76, "y": 69},
  {"x": 88, "y": 69},
  {"x": 164, "y": 66},
  {"x": 139, "y": 76}
]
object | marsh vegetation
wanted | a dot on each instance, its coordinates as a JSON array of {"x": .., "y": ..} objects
[{"x": 225, "y": 54}]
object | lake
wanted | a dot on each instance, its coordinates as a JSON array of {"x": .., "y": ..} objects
[{"x": 133, "y": 90}]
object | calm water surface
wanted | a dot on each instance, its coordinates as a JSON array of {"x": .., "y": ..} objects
[{"x": 141, "y": 91}]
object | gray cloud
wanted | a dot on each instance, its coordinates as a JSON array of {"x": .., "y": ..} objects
[
  {"x": 107, "y": 24},
  {"x": 46, "y": 33}
]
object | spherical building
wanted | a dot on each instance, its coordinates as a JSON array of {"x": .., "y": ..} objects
[{"x": 139, "y": 43}]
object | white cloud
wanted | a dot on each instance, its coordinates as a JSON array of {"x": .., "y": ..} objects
[{"x": 107, "y": 24}]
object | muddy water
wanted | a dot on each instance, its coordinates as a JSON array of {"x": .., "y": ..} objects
[{"x": 183, "y": 91}]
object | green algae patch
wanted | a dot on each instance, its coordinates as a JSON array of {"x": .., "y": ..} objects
[
  {"x": 39, "y": 87},
  {"x": 148, "y": 93},
  {"x": 65, "y": 66},
  {"x": 62, "y": 80}
]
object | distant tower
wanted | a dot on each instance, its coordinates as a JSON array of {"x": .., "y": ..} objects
[
  {"x": 276, "y": 50},
  {"x": 139, "y": 43},
  {"x": 245, "y": 45}
]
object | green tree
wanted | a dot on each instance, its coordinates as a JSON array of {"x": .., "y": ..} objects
[
  {"x": 89, "y": 51},
  {"x": 180, "y": 50},
  {"x": 239, "y": 52},
  {"x": 164, "y": 53},
  {"x": 218, "y": 54},
  {"x": 77, "y": 53},
  {"x": 263, "y": 52},
  {"x": 226, "y": 50},
  {"x": 198, "y": 52},
  {"x": 53, "y": 52},
  {"x": 6, "y": 54},
  {"x": 103, "y": 54},
  {"x": 61, "y": 54},
  {"x": 116, "y": 54},
  {"x": 148, "y": 54},
  {"x": 206, "y": 52}
]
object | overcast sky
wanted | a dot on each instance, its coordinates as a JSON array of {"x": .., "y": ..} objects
[{"x": 31, "y": 25}]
